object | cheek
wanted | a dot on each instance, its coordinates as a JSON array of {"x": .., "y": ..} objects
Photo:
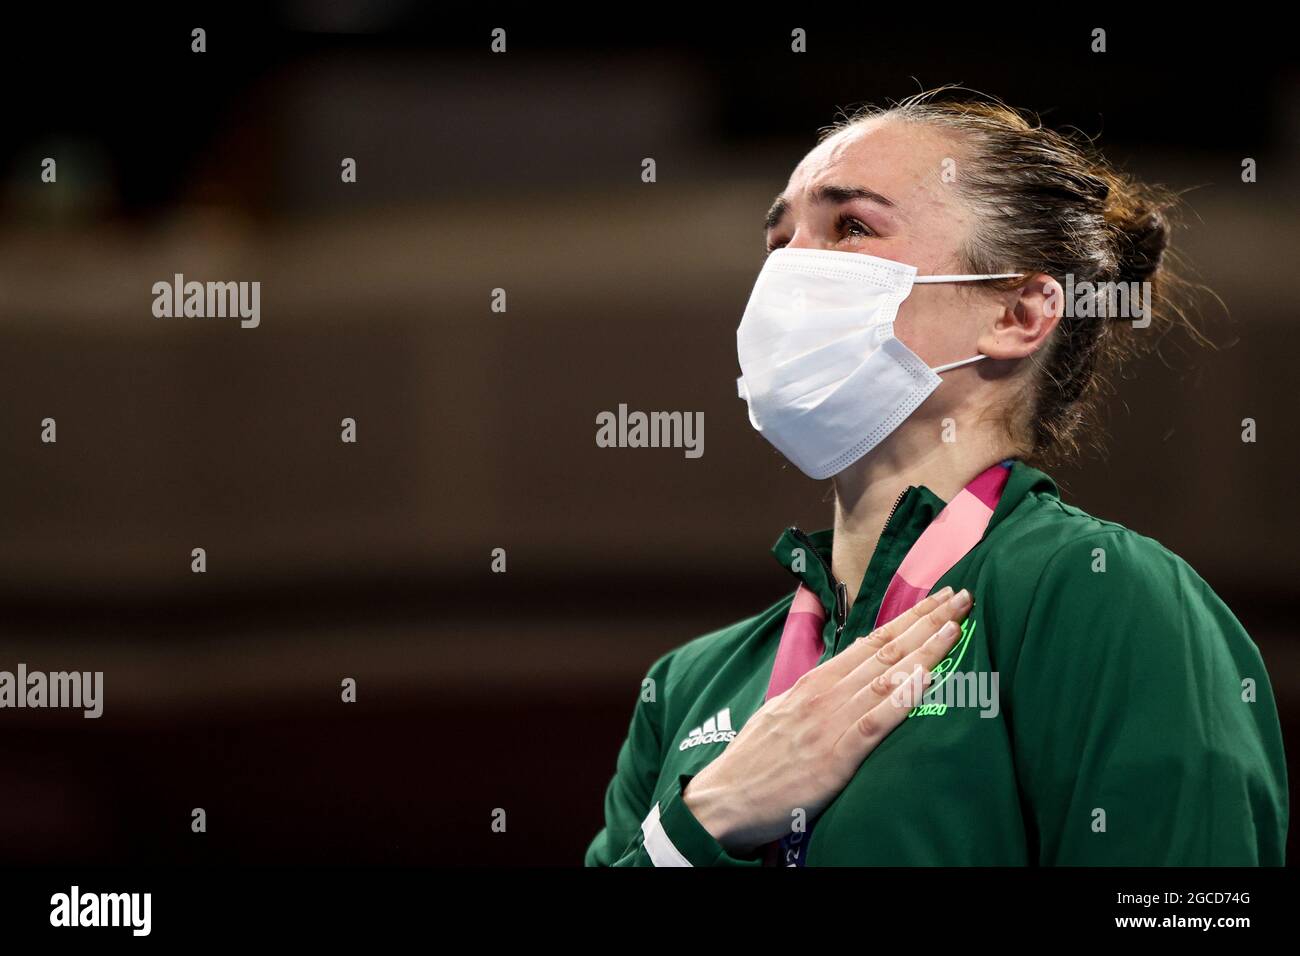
[{"x": 933, "y": 331}]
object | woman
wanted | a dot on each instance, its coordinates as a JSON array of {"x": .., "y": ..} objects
[{"x": 1088, "y": 699}]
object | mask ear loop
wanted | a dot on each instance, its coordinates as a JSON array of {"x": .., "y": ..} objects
[
  {"x": 953, "y": 365},
  {"x": 1001, "y": 275}
]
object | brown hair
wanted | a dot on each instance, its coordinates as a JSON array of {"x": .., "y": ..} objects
[{"x": 1047, "y": 202}]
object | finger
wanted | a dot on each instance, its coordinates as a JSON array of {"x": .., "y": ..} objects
[
  {"x": 925, "y": 658},
  {"x": 869, "y": 728},
  {"x": 863, "y": 648},
  {"x": 890, "y": 654}
]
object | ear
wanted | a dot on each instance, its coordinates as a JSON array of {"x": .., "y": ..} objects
[{"x": 1027, "y": 321}]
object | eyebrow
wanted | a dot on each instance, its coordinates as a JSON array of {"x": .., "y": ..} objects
[{"x": 824, "y": 194}]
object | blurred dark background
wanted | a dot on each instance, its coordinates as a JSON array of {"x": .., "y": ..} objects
[{"x": 476, "y": 429}]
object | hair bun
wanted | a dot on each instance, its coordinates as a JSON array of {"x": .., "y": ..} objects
[
  {"x": 1148, "y": 238},
  {"x": 1141, "y": 232}
]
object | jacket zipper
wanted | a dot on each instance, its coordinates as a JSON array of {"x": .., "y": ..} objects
[
  {"x": 897, "y": 501},
  {"x": 841, "y": 592}
]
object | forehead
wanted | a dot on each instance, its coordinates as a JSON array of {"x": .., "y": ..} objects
[{"x": 901, "y": 160}]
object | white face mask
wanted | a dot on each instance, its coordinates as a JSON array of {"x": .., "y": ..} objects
[{"x": 825, "y": 379}]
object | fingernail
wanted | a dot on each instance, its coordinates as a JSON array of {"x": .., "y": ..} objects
[
  {"x": 960, "y": 601},
  {"x": 949, "y": 631},
  {"x": 944, "y": 593}
]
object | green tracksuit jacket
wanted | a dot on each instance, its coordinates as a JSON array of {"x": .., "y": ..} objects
[{"x": 1133, "y": 721}]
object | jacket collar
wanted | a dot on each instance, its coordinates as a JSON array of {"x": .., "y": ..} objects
[{"x": 918, "y": 505}]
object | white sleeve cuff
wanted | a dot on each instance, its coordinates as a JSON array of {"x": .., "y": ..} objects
[{"x": 657, "y": 845}]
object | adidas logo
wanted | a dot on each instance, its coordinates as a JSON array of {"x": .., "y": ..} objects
[{"x": 715, "y": 730}]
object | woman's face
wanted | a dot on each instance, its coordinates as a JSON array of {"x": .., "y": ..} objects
[{"x": 878, "y": 188}]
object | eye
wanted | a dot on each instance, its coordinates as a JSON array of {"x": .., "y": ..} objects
[
  {"x": 846, "y": 227},
  {"x": 853, "y": 228}
]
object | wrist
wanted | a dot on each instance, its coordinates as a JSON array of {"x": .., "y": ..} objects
[{"x": 716, "y": 812}]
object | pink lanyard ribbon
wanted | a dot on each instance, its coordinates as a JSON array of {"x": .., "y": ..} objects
[{"x": 945, "y": 541}]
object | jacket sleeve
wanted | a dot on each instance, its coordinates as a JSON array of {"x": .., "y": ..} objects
[
  {"x": 640, "y": 828},
  {"x": 1144, "y": 726}
]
